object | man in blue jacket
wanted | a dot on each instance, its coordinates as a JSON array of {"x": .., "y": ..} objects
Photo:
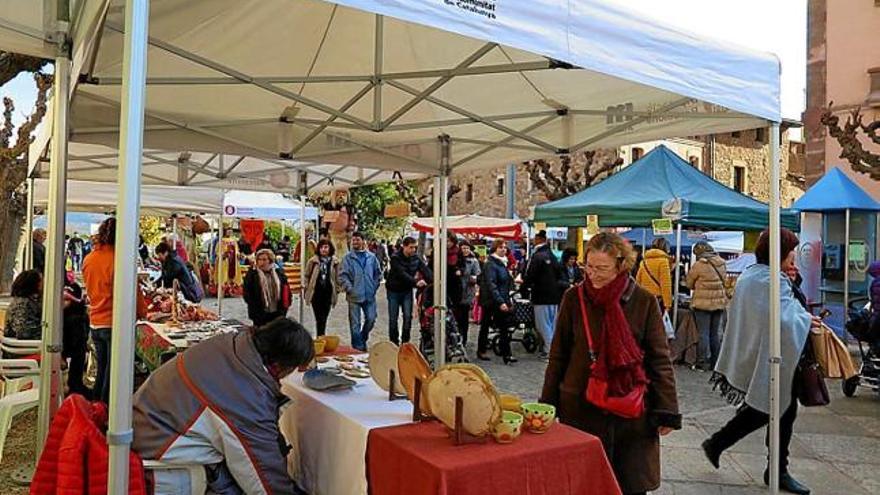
[{"x": 359, "y": 276}]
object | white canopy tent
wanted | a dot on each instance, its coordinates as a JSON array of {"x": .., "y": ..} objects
[
  {"x": 420, "y": 87},
  {"x": 252, "y": 204},
  {"x": 102, "y": 197}
]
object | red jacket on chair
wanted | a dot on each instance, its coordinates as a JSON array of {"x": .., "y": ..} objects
[{"x": 75, "y": 458}]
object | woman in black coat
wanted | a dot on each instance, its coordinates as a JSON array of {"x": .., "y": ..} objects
[
  {"x": 265, "y": 290},
  {"x": 495, "y": 300}
]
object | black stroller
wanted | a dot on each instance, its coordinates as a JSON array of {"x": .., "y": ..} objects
[
  {"x": 522, "y": 329},
  {"x": 865, "y": 327},
  {"x": 455, "y": 351}
]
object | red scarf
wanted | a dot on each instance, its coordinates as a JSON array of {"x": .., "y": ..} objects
[{"x": 620, "y": 359}]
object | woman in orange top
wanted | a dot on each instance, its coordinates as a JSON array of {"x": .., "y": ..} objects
[{"x": 98, "y": 276}]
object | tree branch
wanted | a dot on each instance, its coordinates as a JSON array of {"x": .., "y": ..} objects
[{"x": 851, "y": 147}]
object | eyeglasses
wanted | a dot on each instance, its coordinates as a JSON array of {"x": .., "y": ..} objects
[{"x": 601, "y": 269}]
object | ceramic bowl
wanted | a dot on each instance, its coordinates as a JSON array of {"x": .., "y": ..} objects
[
  {"x": 331, "y": 342},
  {"x": 319, "y": 347},
  {"x": 538, "y": 417},
  {"x": 510, "y": 403},
  {"x": 510, "y": 426}
]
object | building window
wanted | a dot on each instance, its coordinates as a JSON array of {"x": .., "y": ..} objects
[
  {"x": 739, "y": 179},
  {"x": 759, "y": 135},
  {"x": 637, "y": 154},
  {"x": 695, "y": 162},
  {"x": 469, "y": 193},
  {"x": 499, "y": 185}
]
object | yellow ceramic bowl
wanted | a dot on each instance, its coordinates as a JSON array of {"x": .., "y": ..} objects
[
  {"x": 319, "y": 347},
  {"x": 510, "y": 403},
  {"x": 509, "y": 428},
  {"x": 331, "y": 342},
  {"x": 538, "y": 417}
]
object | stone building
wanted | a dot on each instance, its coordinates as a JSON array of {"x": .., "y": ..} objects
[
  {"x": 739, "y": 160},
  {"x": 843, "y": 70}
]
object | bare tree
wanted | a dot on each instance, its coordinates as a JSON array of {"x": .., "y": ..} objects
[
  {"x": 852, "y": 148},
  {"x": 13, "y": 157},
  {"x": 576, "y": 173},
  {"x": 421, "y": 203}
]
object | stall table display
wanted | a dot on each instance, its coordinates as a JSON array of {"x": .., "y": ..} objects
[
  {"x": 155, "y": 343},
  {"x": 419, "y": 458}
]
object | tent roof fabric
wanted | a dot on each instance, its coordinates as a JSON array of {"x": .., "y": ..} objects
[
  {"x": 101, "y": 197},
  {"x": 835, "y": 192},
  {"x": 635, "y": 196},
  {"x": 475, "y": 224},
  {"x": 373, "y": 83}
]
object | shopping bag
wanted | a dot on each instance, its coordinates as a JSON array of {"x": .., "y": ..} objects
[
  {"x": 832, "y": 355},
  {"x": 667, "y": 325}
]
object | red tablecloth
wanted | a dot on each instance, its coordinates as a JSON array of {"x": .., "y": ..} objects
[{"x": 416, "y": 459}]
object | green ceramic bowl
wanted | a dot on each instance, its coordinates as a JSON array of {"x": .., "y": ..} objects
[
  {"x": 510, "y": 426},
  {"x": 538, "y": 417}
]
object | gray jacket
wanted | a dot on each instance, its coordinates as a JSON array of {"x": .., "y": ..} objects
[
  {"x": 469, "y": 279},
  {"x": 360, "y": 275},
  {"x": 216, "y": 402}
]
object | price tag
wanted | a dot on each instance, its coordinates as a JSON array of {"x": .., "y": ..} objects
[{"x": 662, "y": 226}]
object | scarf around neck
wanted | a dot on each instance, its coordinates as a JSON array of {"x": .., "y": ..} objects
[
  {"x": 271, "y": 288},
  {"x": 619, "y": 358},
  {"x": 502, "y": 259}
]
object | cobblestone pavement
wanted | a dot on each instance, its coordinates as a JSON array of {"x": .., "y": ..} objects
[{"x": 835, "y": 449}]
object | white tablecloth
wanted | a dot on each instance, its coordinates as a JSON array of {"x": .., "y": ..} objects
[{"x": 328, "y": 432}]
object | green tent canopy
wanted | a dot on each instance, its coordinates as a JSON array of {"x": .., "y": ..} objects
[{"x": 637, "y": 195}]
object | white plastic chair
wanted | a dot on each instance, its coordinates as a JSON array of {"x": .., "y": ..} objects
[
  {"x": 19, "y": 347},
  {"x": 198, "y": 480},
  {"x": 17, "y": 374},
  {"x": 12, "y": 405}
]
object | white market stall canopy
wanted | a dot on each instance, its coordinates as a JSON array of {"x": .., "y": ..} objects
[
  {"x": 164, "y": 200},
  {"x": 358, "y": 83},
  {"x": 251, "y": 204}
]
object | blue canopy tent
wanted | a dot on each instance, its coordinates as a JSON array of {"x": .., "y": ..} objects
[
  {"x": 637, "y": 194},
  {"x": 837, "y": 193}
]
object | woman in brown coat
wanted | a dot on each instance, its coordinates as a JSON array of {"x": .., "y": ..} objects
[
  {"x": 709, "y": 300},
  {"x": 631, "y": 348}
]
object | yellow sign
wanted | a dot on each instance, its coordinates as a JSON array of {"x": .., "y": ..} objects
[
  {"x": 592, "y": 224},
  {"x": 397, "y": 210},
  {"x": 540, "y": 226}
]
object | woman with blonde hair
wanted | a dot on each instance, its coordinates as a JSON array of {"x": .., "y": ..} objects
[{"x": 609, "y": 333}]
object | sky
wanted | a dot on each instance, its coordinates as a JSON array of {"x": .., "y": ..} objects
[{"x": 777, "y": 26}]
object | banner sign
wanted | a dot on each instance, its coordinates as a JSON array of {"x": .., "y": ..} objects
[
  {"x": 592, "y": 224},
  {"x": 252, "y": 231},
  {"x": 662, "y": 226},
  {"x": 399, "y": 209}
]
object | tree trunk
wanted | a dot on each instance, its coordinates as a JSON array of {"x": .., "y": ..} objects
[{"x": 11, "y": 234}]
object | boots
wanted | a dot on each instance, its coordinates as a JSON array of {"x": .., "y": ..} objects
[{"x": 787, "y": 483}]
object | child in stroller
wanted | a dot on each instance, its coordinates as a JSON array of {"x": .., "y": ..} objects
[
  {"x": 455, "y": 351},
  {"x": 863, "y": 323}
]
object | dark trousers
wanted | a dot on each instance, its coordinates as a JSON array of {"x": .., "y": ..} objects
[
  {"x": 748, "y": 420},
  {"x": 400, "y": 302},
  {"x": 101, "y": 339},
  {"x": 494, "y": 318},
  {"x": 321, "y": 305},
  {"x": 709, "y": 324},
  {"x": 75, "y": 371},
  {"x": 462, "y": 320}
]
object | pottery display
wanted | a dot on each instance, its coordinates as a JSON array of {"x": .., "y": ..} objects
[
  {"x": 383, "y": 359},
  {"x": 509, "y": 428},
  {"x": 539, "y": 417},
  {"x": 482, "y": 406},
  {"x": 413, "y": 365}
]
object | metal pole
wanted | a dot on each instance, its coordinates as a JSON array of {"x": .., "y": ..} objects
[
  {"x": 53, "y": 276},
  {"x": 677, "y": 276},
  {"x": 218, "y": 258},
  {"x": 29, "y": 225},
  {"x": 510, "y": 178},
  {"x": 174, "y": 231},
  {"x": 775, "y": 324},
  {"x": 439, "y": 278},
  {"x": 131, "y": 127},
  {"x": 302, "y": 256},
  {"x": 846, "y": 265},
  {"x": 644, "y": 240}
]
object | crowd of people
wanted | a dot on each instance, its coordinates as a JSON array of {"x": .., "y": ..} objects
[{"x": 600, "y": 322}]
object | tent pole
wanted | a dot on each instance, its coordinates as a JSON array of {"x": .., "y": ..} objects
[
  {"x": 677, "y": 276},
  {"x": 644, "y": 240},
  {"x": 131, "y": 127},
  {"x": 775, "y": 325},
  {"x": 218, "y": 259},
  {"x": 28, "y": 258},
  {"x": 846, "y": 265},
  {"x": 439, "y": 252},
  {"x": 53, "y": 275},
  {"x": 302, "y": 256},
  {"x": 439, "y": 356}
]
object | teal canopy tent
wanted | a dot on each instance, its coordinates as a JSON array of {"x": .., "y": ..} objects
[{"x": 637, "y": 194}]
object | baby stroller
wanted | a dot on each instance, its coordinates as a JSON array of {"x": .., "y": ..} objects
[
  {"x": 455, "y": 351},
  {"x": 865, "y": 327},
  {"x": 522, "y": 321}
]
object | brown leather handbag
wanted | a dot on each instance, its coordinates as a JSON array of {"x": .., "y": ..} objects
[{"x": 809, "y": 381}]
